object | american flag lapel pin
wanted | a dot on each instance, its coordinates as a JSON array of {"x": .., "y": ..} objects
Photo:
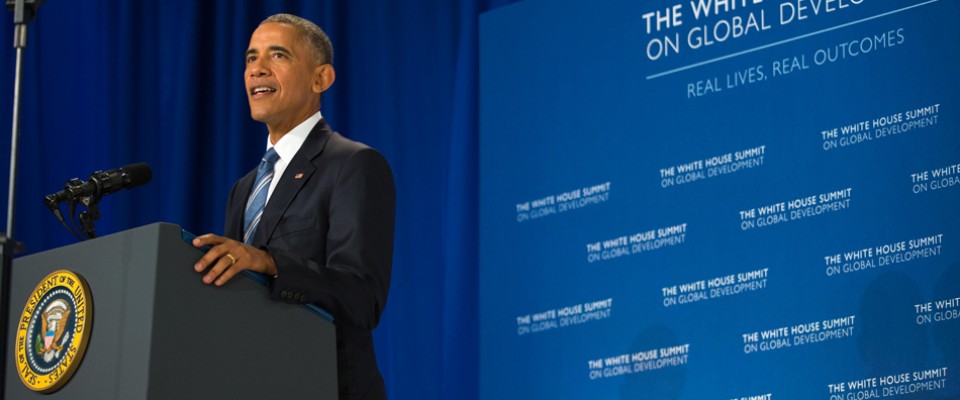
[{"x": 298, "y": 175}]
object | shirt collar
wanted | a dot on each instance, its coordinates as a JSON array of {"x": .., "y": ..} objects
[{"x": 289, "y": 144}]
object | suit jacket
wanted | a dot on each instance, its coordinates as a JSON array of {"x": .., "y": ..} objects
[{"x": 329, "y": 227}]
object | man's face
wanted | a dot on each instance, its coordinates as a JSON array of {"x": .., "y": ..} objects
[{"x": 281, "y": 77}]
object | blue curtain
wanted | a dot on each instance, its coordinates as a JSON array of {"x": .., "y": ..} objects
[{"x": 109, "y": 83}]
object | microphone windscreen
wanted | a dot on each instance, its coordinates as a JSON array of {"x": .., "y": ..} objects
[{"x": 136, "y": 174}]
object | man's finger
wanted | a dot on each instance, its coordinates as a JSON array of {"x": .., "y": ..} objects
[
  {"x": 227, "y": 275},
  {"x": 218, "y": 269},
  {"x": 212, "y": 256},
  {"x": 208, "y": 239}
]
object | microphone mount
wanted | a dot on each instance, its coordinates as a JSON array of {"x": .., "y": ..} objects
[
  {"x": 91, "y": 214},
  {"x": 87, "y": 218}
]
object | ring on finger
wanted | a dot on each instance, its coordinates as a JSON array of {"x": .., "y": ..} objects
[{"x": 233, "y": 260}]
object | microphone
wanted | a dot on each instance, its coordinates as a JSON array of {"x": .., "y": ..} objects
[{"x": 102, "y": 183}]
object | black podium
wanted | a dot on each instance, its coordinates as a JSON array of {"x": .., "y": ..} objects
[{"x": 159, "y": 333}]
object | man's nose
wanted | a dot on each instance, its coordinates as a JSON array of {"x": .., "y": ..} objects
[{"x": 258, "y": 68}]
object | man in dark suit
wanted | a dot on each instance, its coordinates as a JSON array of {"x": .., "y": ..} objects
[{"x": 317, "y": 215}]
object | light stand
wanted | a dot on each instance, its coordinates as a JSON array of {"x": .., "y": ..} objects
[{"x": 23, "y": 12}]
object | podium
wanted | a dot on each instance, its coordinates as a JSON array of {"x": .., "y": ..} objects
[{"x": 158, "y": 332}]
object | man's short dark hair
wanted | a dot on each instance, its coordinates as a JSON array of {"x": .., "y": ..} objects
[{"x": 317, "y": 40}]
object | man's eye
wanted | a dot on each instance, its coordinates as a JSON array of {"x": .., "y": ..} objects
[
  {"x": 279, "y": 55},
  {"x": 251, "y": 59}
]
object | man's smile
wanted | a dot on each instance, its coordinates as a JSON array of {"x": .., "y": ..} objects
[{"x": 258, "y": 92}]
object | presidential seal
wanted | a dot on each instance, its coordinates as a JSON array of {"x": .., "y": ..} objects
[{"x": 53, "y": 330}]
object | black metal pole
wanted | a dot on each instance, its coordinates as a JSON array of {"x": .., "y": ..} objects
[
  {"x": 23, "y": 12},
  {"x": 19, "y": 42}
]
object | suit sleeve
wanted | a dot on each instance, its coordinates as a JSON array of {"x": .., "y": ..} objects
[{"x": 354, "y": 282}]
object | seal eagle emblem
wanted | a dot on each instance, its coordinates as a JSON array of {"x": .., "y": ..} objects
[{"x": 53, "y": 330}]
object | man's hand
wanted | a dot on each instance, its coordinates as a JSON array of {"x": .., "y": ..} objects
[{"x": 228, "y": 257}]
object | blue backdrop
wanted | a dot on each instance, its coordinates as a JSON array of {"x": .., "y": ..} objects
[
  {"x": 752, "y": 200},
  {"x": 109, "y": 83}
]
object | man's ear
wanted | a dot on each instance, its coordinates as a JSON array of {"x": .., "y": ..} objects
[{"x": 323, "y": 77}]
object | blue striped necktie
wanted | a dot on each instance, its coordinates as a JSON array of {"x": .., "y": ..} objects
[{"x": 258, "y": 196}]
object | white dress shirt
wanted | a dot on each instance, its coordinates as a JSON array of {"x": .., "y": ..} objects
[{"x": 288, "y": 146}]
